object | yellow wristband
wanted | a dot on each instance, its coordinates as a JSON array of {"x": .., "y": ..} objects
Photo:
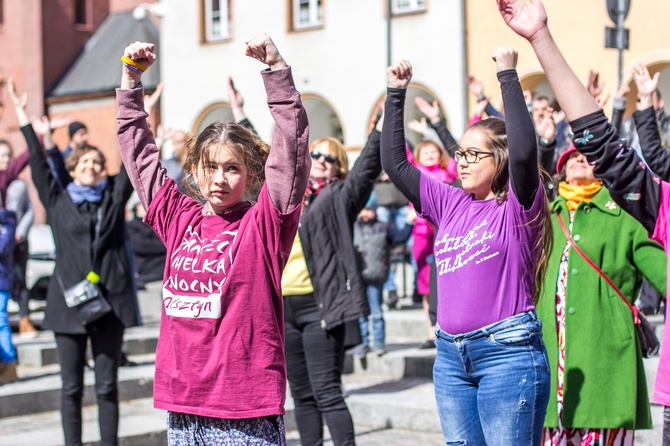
[
  {"x": 93, "y": 277},
  {"x": 129, "y": 61}
]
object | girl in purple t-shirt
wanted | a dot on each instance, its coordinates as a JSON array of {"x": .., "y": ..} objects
[
  {"x": 220, "y": 368},
  {"x": 491, "y": 243}
]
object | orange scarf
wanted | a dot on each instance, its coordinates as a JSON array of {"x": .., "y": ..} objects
[{"x": 576, "y": 194}]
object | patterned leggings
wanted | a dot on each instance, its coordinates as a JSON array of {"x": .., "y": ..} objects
[{"x": 194, "y": 430}]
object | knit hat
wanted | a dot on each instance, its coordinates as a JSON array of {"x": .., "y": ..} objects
[
  {"x": 74, "y": 127},
  {"x": 564, "y": 157}
]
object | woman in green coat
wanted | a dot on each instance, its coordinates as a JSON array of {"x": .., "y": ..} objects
[{"x": 599, "y": 391}]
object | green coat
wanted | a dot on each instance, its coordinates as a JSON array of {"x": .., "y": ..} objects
[{"x": 604, "y": 380}]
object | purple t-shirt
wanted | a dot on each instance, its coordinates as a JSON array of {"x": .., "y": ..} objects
[
  {"x": 222, "y": 324},
  {"x": 484, "y": 254},
  {"x": 661, "y": 232}
]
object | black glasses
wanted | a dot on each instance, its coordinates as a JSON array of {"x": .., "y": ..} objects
[
  {"x": 471, "y": 156},
  {"x": 329, "y": 158}
]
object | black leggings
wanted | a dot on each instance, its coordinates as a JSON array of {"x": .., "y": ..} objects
[
  {"x": 106, "y": 348},
  {"x": 314, "y": 359},
  {"x": 666, "y": 426}
]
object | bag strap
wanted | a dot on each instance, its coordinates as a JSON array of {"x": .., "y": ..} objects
[
  {"x": 96, "y": 237},
  {"x": 96, "y": 241},
  {"x": 633, "y": 308}
]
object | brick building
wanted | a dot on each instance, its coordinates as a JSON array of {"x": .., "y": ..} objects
[{"x": 41, "y": 41}]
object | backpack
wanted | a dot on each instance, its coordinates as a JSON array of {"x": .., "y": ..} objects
[{"x": 372, "y": 247}]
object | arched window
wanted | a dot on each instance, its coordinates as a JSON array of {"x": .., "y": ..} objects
[
  {"x": 323, "y": 120},
  {"x": 218, "y": 111}
]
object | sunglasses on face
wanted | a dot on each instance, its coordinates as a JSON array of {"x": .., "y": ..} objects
[
  {"x": 329, "y": 158},
  {"x": 471, "y": 156}
]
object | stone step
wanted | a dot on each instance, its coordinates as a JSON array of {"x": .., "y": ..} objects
[
  {"x": 38, "y": 390},
  {"x": 41, "y": 351},
  {"x": 408, "y": 403},
  {"x": 407, "y": 324},
  {"x": 400, "y": 361},
  {"x": 139, "y": 424}
]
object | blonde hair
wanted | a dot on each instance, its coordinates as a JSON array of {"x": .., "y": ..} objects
[
  {"x": 336, "y": 149},
  {"x": 444, "y": 157},
  {"x": 198, "y": 151}
]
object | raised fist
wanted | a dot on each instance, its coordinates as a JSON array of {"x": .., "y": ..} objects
[
  {"x": 399, "y": 74},
  {"x": 505, "y": 58},
  {"x": 142, "y": 53},
  {"x": 263, "y": 49}
]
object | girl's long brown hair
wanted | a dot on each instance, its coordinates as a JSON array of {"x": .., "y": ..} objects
[
  {"x": 495, "y": 138},
  {"x": 246, "y": 143}
]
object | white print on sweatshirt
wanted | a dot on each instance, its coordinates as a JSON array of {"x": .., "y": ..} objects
[{"x": 196, "y": 273}]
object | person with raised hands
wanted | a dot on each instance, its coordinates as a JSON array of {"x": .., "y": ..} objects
[
  {"x": 646, "y": 123},
  {"x": 491, "y": 244},
  {"x": 632, "y": 185},
  {"x": 87, "y": 218},
  {"x": 220, "y": 367},
  {"x": 324, "y": 287}
]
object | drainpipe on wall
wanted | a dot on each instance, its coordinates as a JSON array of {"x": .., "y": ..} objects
[
  {"x": 388, "y": 33},
  {"x": 464, "y": 64}
]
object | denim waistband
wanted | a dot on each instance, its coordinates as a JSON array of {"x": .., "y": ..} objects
[{"x": 512, "y": 321}]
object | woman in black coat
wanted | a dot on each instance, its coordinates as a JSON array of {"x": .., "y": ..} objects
[
  {"x": 323, "y": 287},
  {"x": 92, "y": 200}
]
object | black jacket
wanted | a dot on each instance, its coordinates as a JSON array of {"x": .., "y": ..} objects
[
  {"x": 148, "y": 249},
  {"x": 326, "y": 234},
  {"x": 73, "y": 229}
]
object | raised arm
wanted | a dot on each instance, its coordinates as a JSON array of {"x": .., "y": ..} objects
[
  {"x": 393, "y": 156},
  {"x": 237, "y": 106},
  {"x": 57, "y": 166},
  {"x": 521, "y": 138},
  {"x": 287, "y": 167},
  {"x": 432, "y": 112},
  {"x": 630, "y": 183},
  {"x": 476, "y": 87},
  {"x": 530, "y": 22},
  {"x": 141, "y": 156},
  {"x": 657, "y": 158},
  {"x": 361, "y": 179},
  {"x": 546, "y": 142},
  {"x": 619, "y": 106},
  {"x": 45, "y": 183}
]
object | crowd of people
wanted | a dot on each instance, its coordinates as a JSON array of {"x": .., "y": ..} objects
[{"x": 530, "y": 247}]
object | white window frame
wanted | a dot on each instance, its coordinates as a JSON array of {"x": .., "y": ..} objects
[
  {"x": 314, "y": 20},
  {"x": 414, "y": 6},
  {"x": 223, "y": 15}
]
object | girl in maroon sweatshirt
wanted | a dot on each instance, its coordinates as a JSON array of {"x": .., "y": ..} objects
[{"x": 220, "y": 368}]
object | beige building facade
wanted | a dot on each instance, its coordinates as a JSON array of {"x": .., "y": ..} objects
[{"x": 578, "y": 27}]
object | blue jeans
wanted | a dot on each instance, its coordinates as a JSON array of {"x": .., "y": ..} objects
[
  {"x": 7, "y": 350},
  {"x": 398, "y": 216},
  {"x": 492, "y": 384},
  {"x": 375, "y": 297}
]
